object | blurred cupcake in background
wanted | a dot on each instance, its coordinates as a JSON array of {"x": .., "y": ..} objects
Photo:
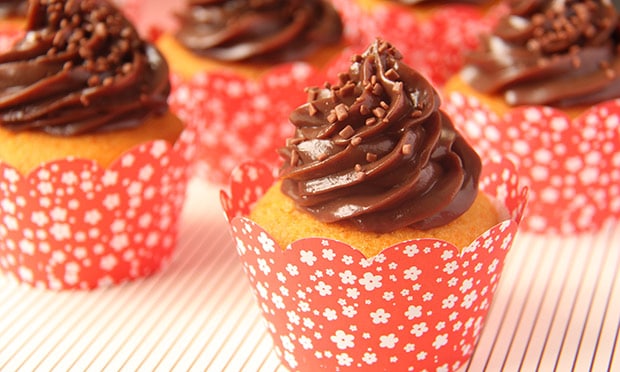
[
  {"x": 93, "y": 162},
  {"x": 250, "y": 37},
  {"x": 544, "y": 87}
]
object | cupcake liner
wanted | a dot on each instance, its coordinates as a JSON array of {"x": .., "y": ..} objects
[
  {"x": 572, "y": 167},
  {"x": 238, "y": 119},
  {"x": 71, "y": 224},
  {"x": 418, "y": 305}
]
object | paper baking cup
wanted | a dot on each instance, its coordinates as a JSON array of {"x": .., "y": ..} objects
[
  {"x": 71, "y": 224},
  {"x": 419, "y": 305},
  {"x": 238, "y": 119},
  {"x": 572, "y": 167}
]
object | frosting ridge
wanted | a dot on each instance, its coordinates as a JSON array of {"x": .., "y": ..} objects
[
  {"x": 80, "y": 67},
  {"x": 375, "y": 150},
  {"x": 559, "y": 53},
  {"x": 264, "y": 30}
]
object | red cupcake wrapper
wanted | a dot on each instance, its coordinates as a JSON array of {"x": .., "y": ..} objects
[
  {"x": 240, "y": 119},
  {"x": 572, "y": 167},
  {"x": 418, "y": 305},
  {"x": 71, "y": 224}
]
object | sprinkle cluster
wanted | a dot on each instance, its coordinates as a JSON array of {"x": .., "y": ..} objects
[
  {"x": 93, "y": 32},
  {"x": 575, "y": 23}
]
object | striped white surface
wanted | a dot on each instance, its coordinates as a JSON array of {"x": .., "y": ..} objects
[{"x": 557, "y": 308}]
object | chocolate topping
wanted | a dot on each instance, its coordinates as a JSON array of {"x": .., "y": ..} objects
[
  {"x": 12, "y": 8},
  {"x": 560, "y": 53},
  {"x": 260, "y": 30},
  {"x": 376, "y": 150},
  {"x": 80, "y": 67}
]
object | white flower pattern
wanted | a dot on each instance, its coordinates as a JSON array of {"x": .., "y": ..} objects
[
  {"x": 75, "y": 205},
  {"x": 546, "y": 146},
  {"x": 343, "y": 340}
]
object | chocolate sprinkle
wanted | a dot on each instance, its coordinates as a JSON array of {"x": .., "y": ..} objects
[{"x": 347, "y": 132}]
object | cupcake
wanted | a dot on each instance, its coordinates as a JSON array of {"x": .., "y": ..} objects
[
  {"x": 564, "y": 55},
  {"x": 375, "y": 246},
  {"x": 544, "y": 88},
  {"x": 251, "y": 36},
  {"x": 91, "y": 157}
]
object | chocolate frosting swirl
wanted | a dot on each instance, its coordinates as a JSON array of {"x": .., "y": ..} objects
[
  {"x": 376, "y": 150},
  {"x": 560, "y": 53},
  {"x": 80, "y": 67},
  {"x": 258, "y": 30},
  {"x": 11, "y": 8}
]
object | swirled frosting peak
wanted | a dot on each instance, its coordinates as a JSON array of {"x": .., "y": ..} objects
[
  {"x": 260, "y": 30},
  {"x": 376, "y": 150},
  {"x": 560, "y": 53},
  {"x": 80, "y": 67}
]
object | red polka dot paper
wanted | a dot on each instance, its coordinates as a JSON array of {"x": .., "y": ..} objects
[
  {"x": 419, "y": 305},
  {"x": 71, "y": 224},
  {"x": 572, "y": 167},
  {"x": 240, "y": 119}
]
